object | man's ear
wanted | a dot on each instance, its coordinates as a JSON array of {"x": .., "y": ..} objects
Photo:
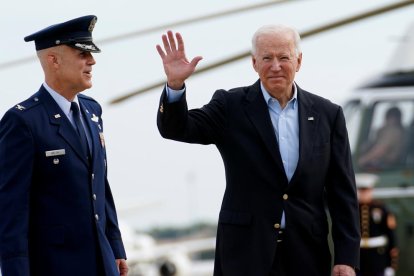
[
  {"x": 53, "y": 59},
  {"x": 299, "y": 62},
  {"x": 254, "y": 63}
]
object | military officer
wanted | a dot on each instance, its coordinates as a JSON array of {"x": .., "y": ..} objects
[
  {"x": 378, "y": 253},
  {"x": 57, "y": 214}
]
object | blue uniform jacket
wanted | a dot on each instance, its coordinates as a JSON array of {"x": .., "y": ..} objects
[{"x": 57, "y": 214}]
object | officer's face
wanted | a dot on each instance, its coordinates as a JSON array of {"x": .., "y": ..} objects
[
  {"x": 365, "y": 195},
  {"x": 276, "y": 62},
  {"x": 75, "y": 69}
]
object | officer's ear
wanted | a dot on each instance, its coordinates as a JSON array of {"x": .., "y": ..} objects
[
  {"x": 52, "y": 59},
  {"x": 48, "y": 58},
  {"x": 54, "y": 56}
]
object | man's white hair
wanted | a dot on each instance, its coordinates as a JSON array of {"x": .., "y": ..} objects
[{"x": 275, "y": 29}]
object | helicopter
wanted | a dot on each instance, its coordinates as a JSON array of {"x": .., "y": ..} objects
[{"x": 365, "y": 113}]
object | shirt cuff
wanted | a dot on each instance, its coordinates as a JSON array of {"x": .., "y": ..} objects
[{"x": 173, "y": 95}]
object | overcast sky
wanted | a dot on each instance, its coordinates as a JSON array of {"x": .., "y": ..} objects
[{"x": 175, "y": 183}]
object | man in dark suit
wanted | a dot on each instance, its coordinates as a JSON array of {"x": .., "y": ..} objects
[
  {"x": 284, "y": 150},
  {"x": 57, "y": 214}
]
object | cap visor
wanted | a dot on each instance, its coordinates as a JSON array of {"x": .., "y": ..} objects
[{"x": 87, "y": 46}]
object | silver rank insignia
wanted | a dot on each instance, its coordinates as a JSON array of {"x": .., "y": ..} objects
[
  {"x": 57, "y": 116},
  {"x": 20, "y": 107},
  {"x": 95, "y": 118}
]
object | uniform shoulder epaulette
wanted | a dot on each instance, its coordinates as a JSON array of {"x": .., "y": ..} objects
[
  {"x": 87, "y": 98},
  {"x": 27, "y": 104}
]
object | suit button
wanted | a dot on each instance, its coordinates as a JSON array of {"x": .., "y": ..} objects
[
  {"x": 276, "y": 225},
  {"x": 93, "y": 176},
  {"x": 285, "y": 196},
  {"x": 94, "y": 196},
  {"x": 96, "y": 217}
]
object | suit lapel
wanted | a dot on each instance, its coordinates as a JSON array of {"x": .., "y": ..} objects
[
  {"x": 308, "y": 120},
  {"x": 257, "y": 111},
  {"x": 65, "y": 128}
]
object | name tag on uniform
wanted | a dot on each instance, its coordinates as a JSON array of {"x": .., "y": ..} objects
[{"x": 55, "y": 152}]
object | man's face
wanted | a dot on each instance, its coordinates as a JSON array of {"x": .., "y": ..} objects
[
  {"x": 276, "y": 62},
  {"x": 75, "y": 69},
  {"x": 365, "y": 195}
]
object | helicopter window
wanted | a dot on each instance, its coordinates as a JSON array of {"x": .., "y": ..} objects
[
  {"x": 352, "y": 113},
  {"x": 387, "y": 143}
]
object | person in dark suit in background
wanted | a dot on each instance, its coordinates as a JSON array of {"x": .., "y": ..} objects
[
  {"x": 379, "y": 250},
  {"x": 57, "y": 214},
  {"x": 283, "y": 150}
]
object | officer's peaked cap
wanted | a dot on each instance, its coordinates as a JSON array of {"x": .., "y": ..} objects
[
  {"x": 366, "y": 180},
  {"x": 76, "y": 33}
]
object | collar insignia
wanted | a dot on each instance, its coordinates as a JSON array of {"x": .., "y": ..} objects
[
  {"x": 20, "y": 107},
  {"x": 95, "y": 118}
]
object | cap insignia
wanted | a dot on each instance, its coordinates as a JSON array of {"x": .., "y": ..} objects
[{"x": 92, "y": 25}]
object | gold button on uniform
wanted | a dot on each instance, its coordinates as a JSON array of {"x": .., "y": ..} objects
[
  {"x": 276, "y": 225},
  {"x": 285, "y": 196}
]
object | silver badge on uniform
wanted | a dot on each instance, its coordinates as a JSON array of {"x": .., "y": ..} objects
[
  {"x": 102, "y": 138},
  {"x": 57, "y": 152},
  {"x": 376, "y": 215}
]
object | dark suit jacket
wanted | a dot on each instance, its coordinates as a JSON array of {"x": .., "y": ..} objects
[
  {"x": 238, "y": 123},
  {"x": 57, "y": 214}
]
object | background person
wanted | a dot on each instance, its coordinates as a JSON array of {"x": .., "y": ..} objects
[
  {"x": 379, "y": 252},
  {"x": 387, "y": 149}
]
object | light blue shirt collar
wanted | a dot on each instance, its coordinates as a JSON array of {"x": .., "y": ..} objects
[
  {"x": 63, "y": 103},
  {"x": 267, "y": 96}
]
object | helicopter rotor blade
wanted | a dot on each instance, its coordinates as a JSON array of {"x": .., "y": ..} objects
[
  {"x": 308, "y": 33},
  {"x": 195, "y": 19},
  {"x": 162, "y": 27}
]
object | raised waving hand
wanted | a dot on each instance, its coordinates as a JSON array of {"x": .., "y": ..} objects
[{"x": 176, "y": 65}]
